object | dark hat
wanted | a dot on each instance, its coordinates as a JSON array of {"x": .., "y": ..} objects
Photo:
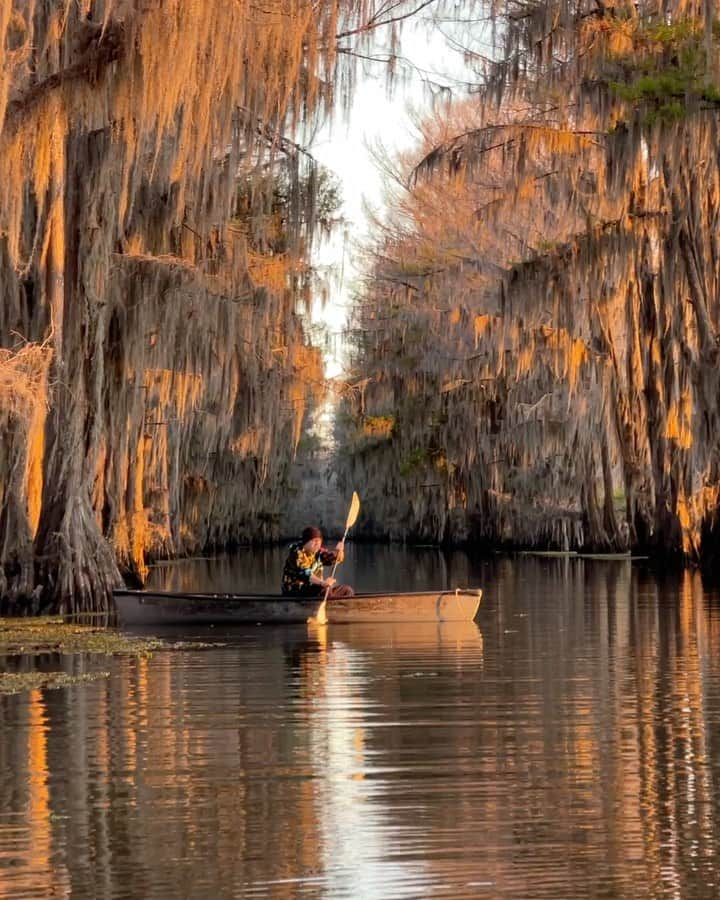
[{"x": 309, "y": 533}]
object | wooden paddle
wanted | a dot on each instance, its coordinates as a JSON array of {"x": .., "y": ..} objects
[{"x": 321, "y": 616}]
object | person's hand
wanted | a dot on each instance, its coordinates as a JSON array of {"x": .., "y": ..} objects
[
  {"x": 340, "y": 550},
  {"x": 329, "y": 582}
]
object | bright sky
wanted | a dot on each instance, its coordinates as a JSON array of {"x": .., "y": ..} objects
[
  {"x": 345, "y": 149},
  {"x": 346, "y": 152}
]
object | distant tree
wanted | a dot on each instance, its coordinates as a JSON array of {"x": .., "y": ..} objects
[{"x": 540, "y": 315}]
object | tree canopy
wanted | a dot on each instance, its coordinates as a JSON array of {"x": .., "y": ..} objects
[{"x": 539, "y": 326}]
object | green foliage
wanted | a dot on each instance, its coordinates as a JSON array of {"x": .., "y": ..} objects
[
  {"x": 619, "y": 499},
  {"x": 416, "y": 268},
  {"x": 23, "y": 636},
  {"x": 671, "y": 75},
  {"x": 276, "y": 207},
  {"x": 711, "y": 93},
  {"x": 673, "y": 111},
  {"x": 309, "y": 444},
  {"x": 671, "y": 33},
  {"x": 416, "y": 458},
  {"x": 328, "y": 200}
]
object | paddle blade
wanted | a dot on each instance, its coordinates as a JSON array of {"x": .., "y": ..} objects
[{"x": 354, "y": 510}]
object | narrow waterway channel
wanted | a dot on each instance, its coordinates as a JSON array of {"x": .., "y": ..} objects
[{"x": 567, "y": 745}]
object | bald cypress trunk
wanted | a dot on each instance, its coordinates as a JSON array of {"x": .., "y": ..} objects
[{"x": 155, "y": 226}]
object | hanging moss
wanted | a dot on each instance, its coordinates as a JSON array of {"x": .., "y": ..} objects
[
  {"x": 380, "y": 426},
  {"x": 154, "y": 374},
  {"x": 565, "y": 353}
]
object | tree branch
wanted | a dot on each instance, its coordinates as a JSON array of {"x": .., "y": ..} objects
[
  {"x": 109, "y": 47},
  {"x": 372, "y": 23}
]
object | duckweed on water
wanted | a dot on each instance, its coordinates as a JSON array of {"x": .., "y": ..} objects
[
  {"x": 51, "y": 634},
  {"x": 15, "y": 682}
]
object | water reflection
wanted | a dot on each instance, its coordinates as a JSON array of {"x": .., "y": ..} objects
[{"x": 565, "y": 748}]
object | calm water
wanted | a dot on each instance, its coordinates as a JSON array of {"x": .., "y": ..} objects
[{"x": 566, "y": 746}]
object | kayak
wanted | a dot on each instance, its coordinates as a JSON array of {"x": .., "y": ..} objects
[{"x": 165, "y": 608}]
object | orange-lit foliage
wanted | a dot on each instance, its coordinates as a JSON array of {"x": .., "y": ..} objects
[
  {"x": 125, "y": 130},
  {"x": 575, "y": 224}
]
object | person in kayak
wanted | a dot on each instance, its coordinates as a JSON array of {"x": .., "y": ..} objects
[{"x": 303, "y": 572}]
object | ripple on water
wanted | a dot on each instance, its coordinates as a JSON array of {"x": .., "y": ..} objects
[{"x": 565, "y": 748}]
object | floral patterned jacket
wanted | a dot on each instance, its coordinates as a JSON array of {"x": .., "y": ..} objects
[{"x": 300, "y": 565}]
